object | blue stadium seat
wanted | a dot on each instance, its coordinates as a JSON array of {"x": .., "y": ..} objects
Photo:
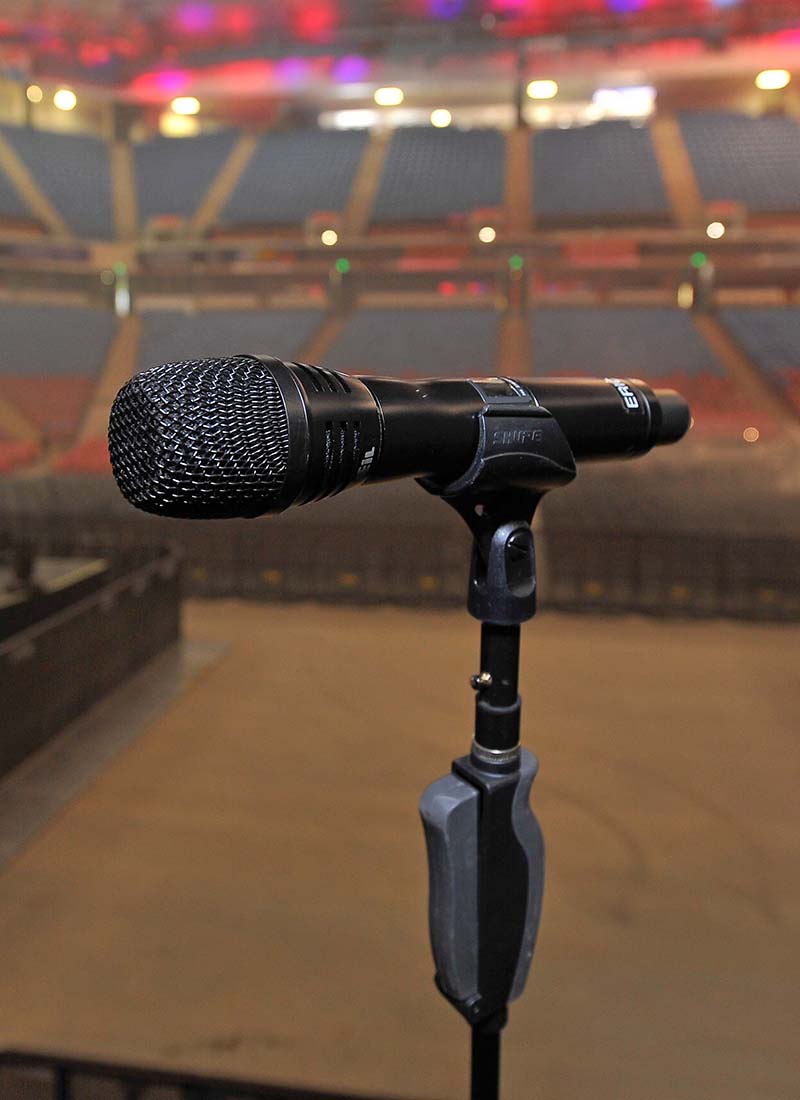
[
  {"x": 641, "y": 342},
  {"x": 755, "y": 161},
  {"x": 606, "y": 170},
  {"x": 771, "y": 337},
  {"x": 172, "y": 177},
  {"x": 73, "y": 171},
  {"x": 169, "y": 336},
  {"x": 11, "y": 203},
  {"x": 49, "y": 357},
  {"x": 417, "y": 342},
  {"x": 292, "y": 174},
  {"x": 430, "y": 173},
  {"x": 51, "y": 340}
]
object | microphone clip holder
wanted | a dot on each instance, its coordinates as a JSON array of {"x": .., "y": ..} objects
[{"x": 485, "y": 847}]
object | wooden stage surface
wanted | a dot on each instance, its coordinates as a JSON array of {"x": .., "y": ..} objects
[{"x": 242, "y": 889}]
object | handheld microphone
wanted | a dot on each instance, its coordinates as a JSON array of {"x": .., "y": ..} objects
[{"x": 239, "y": 437}]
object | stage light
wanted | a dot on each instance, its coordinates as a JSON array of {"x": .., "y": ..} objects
[
  {"x": 770, "y": 80},
  {"x": 751, "y": 435},
  {"x": 698, "y": 259},
  {"x": 185, "y": 105},
  {"x": 542, "y": 89},
  {"x": 486, "y": 234},
  {"x": 342, "y": 265},
  {"x": 441, "y": 117},
  {"x": 34, "y": 93},
  {"x": 65, "y": 99},
  {"x": 329, "y": 237},
  {"x": 389, "y": 97},
  {"x": 715, "y": 230},
  {"x": 178, "y": 126}
]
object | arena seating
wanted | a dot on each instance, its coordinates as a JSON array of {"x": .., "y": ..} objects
[
  {"x": 12, "y": 207},
  {"x": 172, "y": 177},
  {"x": 771, "y": 337},
  {"x": 73, "y": 172},
  {"x": 755, "y": 161},
  {"x": 170, "y": 336},
  {"x": 431, "y": 174},
  {"x": 601, "y": 171},
  {"x": 417, "y": 342},
  {"x": 49, "y": 359},
  {"x": 657, "y": 343},
  {"x": 293, "y": 174}
]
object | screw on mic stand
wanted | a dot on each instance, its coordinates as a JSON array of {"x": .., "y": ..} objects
[{"x": 485, "y": 848}]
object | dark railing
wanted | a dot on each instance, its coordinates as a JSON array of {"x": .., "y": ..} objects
[
  {"x": 82, "y": 652},
  {"x": 24, "y": 1076}
]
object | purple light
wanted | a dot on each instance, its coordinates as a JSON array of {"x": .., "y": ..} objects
[
  {"x": 171, "y": 81},
  {"x": 446, "y": 9},
  {"x": 195, "y": 18},
  {"x": 351, "y": 69},
  {"x": 292, "y": 70},
  {"x": 624, "y": 7}
]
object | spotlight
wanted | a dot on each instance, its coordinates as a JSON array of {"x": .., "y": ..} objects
[
  {"x": 715, "y": 230},
  {"x": 542, "y": 89},
  {"x": 34, "y": 93},
  {"x": 329, "y": 237},
  {"x": 751, "y": 435},
  {"x": 389, "y": 97},
  {"x": 486, "y": 234},
  {"x": 441, "y": 117},
  {"x": 65, "y": 99},
  {"x": 185, "y": 105},
  {"x": 770, "y": 80}
]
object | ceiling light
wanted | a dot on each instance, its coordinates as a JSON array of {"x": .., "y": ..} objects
[
  {"x": 486, "y": 234},
  {"x": 65, "y": 99},
  {"x": 329, "y": 237},
  {"x": 770, "y": 80},
  {"x": 715, "y": 230},
  {"x": 441, "y": 117},
  {"x": 34, "y": 93},
  {"x": 389, "y": 97},
  {"x": 542, "y": 89},
  {"x": 185, "y": 105}
]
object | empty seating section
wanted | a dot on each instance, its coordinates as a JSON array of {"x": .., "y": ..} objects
[
  {"x": 417, "y": 342},
  {"x": 755, "y": 161},
  {"x": 73, "y": 171},
  {"x": 170, "y": 336},
  {"x": 293, "y": 174},
  {"x": 430, "y": 174},
  {"x": 771, "y": 337},
  {"x": 12, "y": 205},
  {"x": 657, "y": 343},
  {"x": 49, "y": 360},
  {"x": 606, "y": 170},
  {"x": 172, "y": 177}
]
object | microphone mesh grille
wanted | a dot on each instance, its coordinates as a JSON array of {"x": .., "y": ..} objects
[{"x": 204, "y": 439}]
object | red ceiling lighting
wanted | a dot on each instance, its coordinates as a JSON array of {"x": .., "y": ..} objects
[{"x": 315, "y": 20}]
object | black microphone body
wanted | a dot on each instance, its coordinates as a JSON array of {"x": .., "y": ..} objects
[{"x": 220, "y": 438}]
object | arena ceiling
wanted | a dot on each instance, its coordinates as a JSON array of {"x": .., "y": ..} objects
[{"x": 110, "y": 43}]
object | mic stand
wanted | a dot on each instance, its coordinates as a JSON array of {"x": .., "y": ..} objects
[{"x": 485, "y": 847}]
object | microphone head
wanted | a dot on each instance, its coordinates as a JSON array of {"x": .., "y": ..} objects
[{"x": 207, "y": 438}]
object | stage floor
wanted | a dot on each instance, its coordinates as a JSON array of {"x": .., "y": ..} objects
[{"x": 242, "y": 889}]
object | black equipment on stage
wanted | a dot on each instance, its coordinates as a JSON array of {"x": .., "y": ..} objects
[{"x": 247, "y": 435}]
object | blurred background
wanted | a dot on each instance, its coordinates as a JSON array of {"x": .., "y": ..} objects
[{"x": 215, "y": 734}]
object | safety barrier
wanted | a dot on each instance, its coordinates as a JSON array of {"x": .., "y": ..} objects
[
  {"x": 26, "y": 1076},
  {"x": 69, "y": 660}
]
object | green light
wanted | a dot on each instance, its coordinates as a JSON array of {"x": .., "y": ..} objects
[
  {"x": 120, "y": 268},
  {"x": 342, "y": 265},
  {"x": 698, "y": 259},
  {"x": 516, "y": 263}
]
